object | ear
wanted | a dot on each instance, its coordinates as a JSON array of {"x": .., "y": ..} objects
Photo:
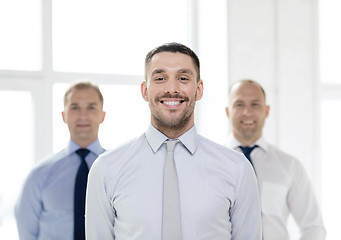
[
  {"x": 144, "y": 91},
  {"x": 103, "y": 116},
  {"x": 227, "y": 112},
  {"x": 267, "y": 110},
  {"x": 200, "y": 90},
  {"x": 63, "y": 115}
]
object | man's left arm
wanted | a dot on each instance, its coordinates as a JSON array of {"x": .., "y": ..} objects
[{"x": 303, "y": 205}]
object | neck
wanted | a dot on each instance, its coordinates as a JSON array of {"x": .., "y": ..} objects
[
  {"x": 83, "y": 143},
  {"x": 246, "y": 142},
  {"x": 173, "y": 132}
]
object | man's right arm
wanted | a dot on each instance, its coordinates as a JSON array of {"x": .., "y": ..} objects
[
  {"x": 99, "y": 213},
  {"x": 28, "y": 209},
  {"x": 246, "y": 213}
]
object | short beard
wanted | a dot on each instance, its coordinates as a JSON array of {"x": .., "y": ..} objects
[{"x": 174, "y": 125}]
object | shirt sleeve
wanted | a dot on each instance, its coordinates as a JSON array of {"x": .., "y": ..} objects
[
  {"x": 99, "y": 213},
  {"x": 246, "y": 211},
  {"x": 303, "y": 205},
  {"x": 28, "y": 209}
]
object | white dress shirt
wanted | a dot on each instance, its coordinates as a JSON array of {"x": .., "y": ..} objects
[
  {"x": 284, "y": 188},
  {"x": 219, "y": 197}
]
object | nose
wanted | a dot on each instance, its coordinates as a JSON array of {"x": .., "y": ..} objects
[
  {"x": 172, "y": 85},
  {"x": 83, "y": 113},
  {"x": 247, "y": 110}
]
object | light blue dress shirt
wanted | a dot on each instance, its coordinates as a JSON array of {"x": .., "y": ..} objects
[
  {"x": 218, "y": 191},
  {"x": 44, "y": 209}
]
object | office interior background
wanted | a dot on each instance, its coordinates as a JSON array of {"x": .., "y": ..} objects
[{"x": 291, "y": 47}]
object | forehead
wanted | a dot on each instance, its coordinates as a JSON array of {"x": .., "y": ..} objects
[
  {"x": 83, "y": 95},
  {"x": 170, "y": 61},
  {"x": 246, "y": 91}
]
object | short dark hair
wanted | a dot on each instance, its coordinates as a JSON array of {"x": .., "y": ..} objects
[
  {"x": 79, "y": 85},
  {"x": 174, "y": 48}
]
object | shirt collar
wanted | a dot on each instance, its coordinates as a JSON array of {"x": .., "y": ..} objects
[
  {"x": 234, "y": 143},
  {"x": 189, "y": 139},
  {"x": 94, "y": 147}
]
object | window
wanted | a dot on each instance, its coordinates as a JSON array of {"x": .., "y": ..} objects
[
  {"x": 330, "y": 129},
  {"x": 113, "y": 36},
  {"x": 17, "y": 159},
  {"x": 21, "y": 36},
  {"x": 330, "y": 113},
  {"x": 330, "y": 41}
]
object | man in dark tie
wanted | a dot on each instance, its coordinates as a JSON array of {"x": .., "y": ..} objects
[
  {"x": 283, "y": 183},
  {"x": 52, "y": 202}
]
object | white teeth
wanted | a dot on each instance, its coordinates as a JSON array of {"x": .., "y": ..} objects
[
  {"x": 247, "y": 122},
  {"x": 172, "y": 103}
]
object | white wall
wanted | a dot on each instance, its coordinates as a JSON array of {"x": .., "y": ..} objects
[{"x": 274, "y": 43}]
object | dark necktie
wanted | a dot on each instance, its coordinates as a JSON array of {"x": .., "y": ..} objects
[
  {"x": 79, "y": 197},
  {"x": 247, "y": 152}
]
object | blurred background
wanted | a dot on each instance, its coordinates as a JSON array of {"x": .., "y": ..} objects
[{"x": 292, "y": 47}]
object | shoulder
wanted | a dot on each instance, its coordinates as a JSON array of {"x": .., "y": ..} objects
[
  {"x": 120, "y": 154},
  {"x": 49, "y": 163},
  {"x": 224, "y": 152},
  {"x": 287, "y": 160},
  {"x": 232, "y": 163}
]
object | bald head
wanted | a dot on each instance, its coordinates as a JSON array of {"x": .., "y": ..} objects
[{"x": 247, "y": 111}]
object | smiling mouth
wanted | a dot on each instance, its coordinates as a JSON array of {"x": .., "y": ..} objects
[
  {"x": 172, "y": 103},
  {"x": 83, "y": 125},
  {"x": 248, "y": 122}
]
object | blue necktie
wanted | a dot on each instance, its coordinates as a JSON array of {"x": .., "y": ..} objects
[
  {"x": 79, "y": 197},
  {"x": 247, "y": 152}
]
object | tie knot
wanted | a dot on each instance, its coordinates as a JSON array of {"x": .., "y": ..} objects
[
  {"x": 247, "y": 150},
  {"x": 171, "y": 144},
  {"x": 82, "y": 152}
]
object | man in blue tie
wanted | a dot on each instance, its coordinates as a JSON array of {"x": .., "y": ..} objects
[
  {"x": 52, "y": 202},
  {"x": 170, "y": 183},
  {"x": 283, "y": 183}
]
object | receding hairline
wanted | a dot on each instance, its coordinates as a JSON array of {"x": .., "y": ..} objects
[{"x": 80, "y": 85}]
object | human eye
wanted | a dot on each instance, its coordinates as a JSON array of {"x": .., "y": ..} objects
[
  {"x": 183, "y": 78},
  {"x": 92, "y": 107},
  {"x": 74, "y": 107},
  {"x": 238, "y": 104},
  {"x": 255, "y": 104},
  {"x": 159, "y": 79}
]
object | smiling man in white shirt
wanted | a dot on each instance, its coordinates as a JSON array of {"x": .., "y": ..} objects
[
  {"x": 217, "y": 186},
  {"x": 283, "y": 183}
]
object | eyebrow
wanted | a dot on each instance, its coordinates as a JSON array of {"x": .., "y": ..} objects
[
  {"x": 91, "y": 104},
  {"x": 186, "y": 70},
  {"x": 158, "y": 70},
  {"x": 182, "y": 70}
]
